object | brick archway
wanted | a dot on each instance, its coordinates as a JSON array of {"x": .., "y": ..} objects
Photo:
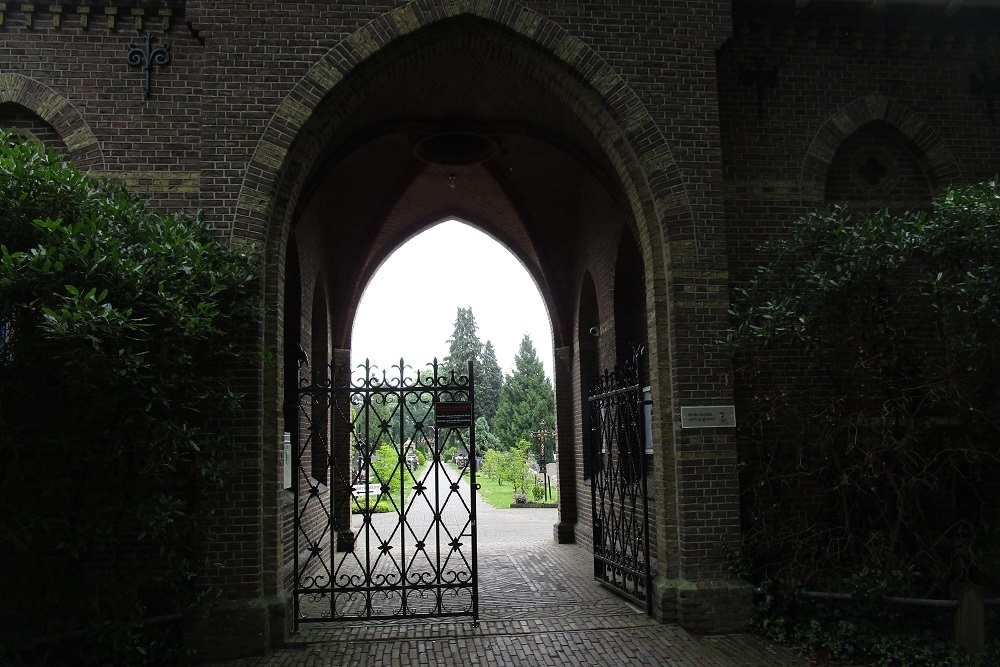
[
  {"x": 57, "y": 111},
  {"x": 627, "y": 133},
  {"x": 599, "y": 111},
  {"x": 937, "y": 157}
]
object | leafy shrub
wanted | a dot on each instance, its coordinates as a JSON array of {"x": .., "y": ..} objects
[
  {"x": 126, "y": 332},
  {"x": 867, "y": 629},
  {"x": 866, "y": 358}
]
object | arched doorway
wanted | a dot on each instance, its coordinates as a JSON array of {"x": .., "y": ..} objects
[
  {"x": 465, "y": 118},
  {"x": 476, "y": 145}
]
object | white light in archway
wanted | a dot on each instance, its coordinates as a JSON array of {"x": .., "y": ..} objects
[{"x": 408, "y": 309}]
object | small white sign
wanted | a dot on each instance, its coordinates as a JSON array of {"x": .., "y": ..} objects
[
  {"x": 708, "y": 416},
  {"x": 287, "y": 481},
  {"x": 647, "y": 406}
]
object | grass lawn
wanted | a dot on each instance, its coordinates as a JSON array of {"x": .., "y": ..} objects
[
  {"x": 502, "y": 496},
  {"x": 359, "y": 505}
]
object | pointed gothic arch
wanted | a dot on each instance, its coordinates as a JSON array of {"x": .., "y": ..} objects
[{"x": 936, "y": 156}]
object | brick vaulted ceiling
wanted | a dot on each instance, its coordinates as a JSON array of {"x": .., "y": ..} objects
[{"x": 370, "y": 192}]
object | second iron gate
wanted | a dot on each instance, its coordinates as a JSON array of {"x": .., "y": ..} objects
[
  {"x": 385, "y": 518},
  {"x": 619, "y": 504}
]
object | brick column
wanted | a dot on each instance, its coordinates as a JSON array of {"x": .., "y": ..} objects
[
  {"x": 340, "y": 459},
  {"x": 568, "y": 515}
]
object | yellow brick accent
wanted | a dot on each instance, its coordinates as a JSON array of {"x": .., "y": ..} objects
[
  {"x": 29, "y": 15},
  {"x": 677, "y": 203},
  {"x": 158, "y": 182},
  {"x": 246, "y": 246},
  {"x": 913, "y": 125},
  {"x": 11, "y": 87},
  {"x": 527, "y": 23},
  {"x": 693, "y": 273},
  {"x": 842, "y": 121},
  {"x": 255, "y": 201},
  {"x": 363, "y": 42},
  {"x": 455, "y": 7},
  {"x": 569, "y": 48},
  {"x": 877, "y": 104},
  {"x": 50, "y": 106},
  {"x": 605, "y": 79},
  {"x": 701, "y": 303},
  {"x": 294, "y": 112},
  {"x": 270, "y": 155},
  {"x": 635, "y": 117},
  {"x": 657, "y": 159},
  {"x": 939, "y": 155},
  {"x": 325, "y": 74},
  {"x": 405, "y": 19},
  {"x": 683, "y": 251},
  {"x": 79, "y": 139}
]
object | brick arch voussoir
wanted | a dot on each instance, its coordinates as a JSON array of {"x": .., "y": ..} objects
[
  {"x": 82, "y": 145},
  {"x": 645, "y": 161},
  {"x": 935, "y": 154}
]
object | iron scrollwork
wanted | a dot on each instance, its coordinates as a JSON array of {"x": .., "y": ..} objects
[
  {"x": 619, "y": 502},
  {"x": 147, "y": 57},
  {"x": 389, "y": 549}
]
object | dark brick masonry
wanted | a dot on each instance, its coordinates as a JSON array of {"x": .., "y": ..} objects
[
  {"x": 540, "y": 606},
  {"x": 645, "y": 148}
]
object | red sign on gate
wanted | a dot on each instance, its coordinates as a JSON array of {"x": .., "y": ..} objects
[{"x": 457, "y": 414}]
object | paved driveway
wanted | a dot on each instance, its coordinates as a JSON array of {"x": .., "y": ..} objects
[{"x": 539, "y": 605}]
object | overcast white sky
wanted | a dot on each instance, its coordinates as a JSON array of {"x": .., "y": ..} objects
[{"x": 413, "y": 316}]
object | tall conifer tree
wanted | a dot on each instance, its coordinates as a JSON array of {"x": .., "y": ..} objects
[
  {"x": 464, "y": 345},
  {"x": 526, "y": 399},
  {"x": 489, "y": 381}
]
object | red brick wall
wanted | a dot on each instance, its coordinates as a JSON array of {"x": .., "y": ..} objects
[{"x": 652, "y": 102}]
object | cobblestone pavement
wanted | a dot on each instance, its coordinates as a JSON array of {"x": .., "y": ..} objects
[{"x": 539, "y": 605}]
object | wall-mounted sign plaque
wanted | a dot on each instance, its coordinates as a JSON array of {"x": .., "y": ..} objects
[{"x": 708, "y": 416}]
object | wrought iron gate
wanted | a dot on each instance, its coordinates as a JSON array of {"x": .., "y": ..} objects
[
  {"x": 385, "y": 521},
  {"x": 619, "y": 504}
]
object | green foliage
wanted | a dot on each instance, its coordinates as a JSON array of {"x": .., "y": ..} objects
[
  {"x": 388, "y": 467},
  {"x": 512, "y": 467},
  {"x": 499, "y": 495},
  {"x": 129, "y": 331},
  {"x": 489, "y": 382},
  {"x": 378, "y": 419},
  {"x": 485, "y": 439},
  {"x": 464, "y": 345},
  {"x": 493, "y": 466},
  {"x": 866, "y": 628},
  {"x": 866, "y": 358},
  {"x": 517, "y": 468},
  {"x": 526, "y": 398}
]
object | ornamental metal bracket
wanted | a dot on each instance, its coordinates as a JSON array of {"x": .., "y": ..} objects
[{"x": 147, "y": 57}]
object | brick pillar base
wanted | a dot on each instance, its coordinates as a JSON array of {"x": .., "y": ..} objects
[
  {"x": 564, "y": 533},
  {"x": 716, "y": 606},
  {"x": 237, "y": 628}
]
